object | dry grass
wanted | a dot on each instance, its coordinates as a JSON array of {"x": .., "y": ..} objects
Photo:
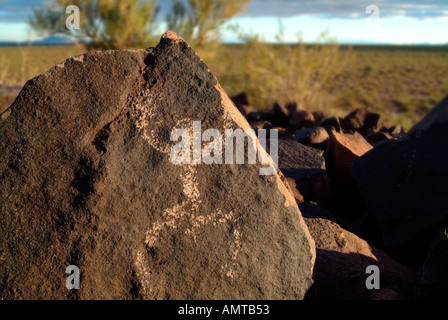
[{"x": 401, "y": 83}]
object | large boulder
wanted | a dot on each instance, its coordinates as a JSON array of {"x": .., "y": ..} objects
[
  {"x": 404, "y": 183},
  {"x": 87, "y": 180}
]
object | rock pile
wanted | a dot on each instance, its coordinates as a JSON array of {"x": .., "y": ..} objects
[
  {"x": 313, "y": 128},
  {"x": 404, "y": 183},
  {"x": 355, "y": 177}
]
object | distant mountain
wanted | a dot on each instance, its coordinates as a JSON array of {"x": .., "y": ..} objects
[
  {"x": 55, "y": 39},
  {"x": 361, "y": 41},
  {"x": 47, "y": 41},
  {"x": 372, "y": 42}
]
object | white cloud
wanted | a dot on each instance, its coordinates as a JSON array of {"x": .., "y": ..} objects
[{"x": 348, "y": 9}]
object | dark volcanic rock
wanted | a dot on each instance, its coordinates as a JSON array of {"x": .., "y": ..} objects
[
  {"x": 341, "y": 262},
  {"x": 292, "y": 107},
  {"x": 433, "y": 275},
  {"x": 332, "y": 123},
  {"x": 313, "y": 210},
  {"x": 318, "y": 117},
  {"x": 241, "y": 101},
  {"x": 376, "y": 136},
  {"x": 396, "y": 130},
  {"x": 302, "y": 119},
  {"x": 307, "y": 167},
  {"x": 355, "y": 120},
  {"x": 341, "y": 151},
  {"x": 262, "y": 124},
  {"x": 87, "y": 180},
  {"x": 315, "y": 137},
  {"x": 280, "y": 115},
  {"x": 293, "y": 155},
  {"x": 373, "y": 121},
  {"x": 404, "y": 185},
  {"x": 254, "y": 116}
]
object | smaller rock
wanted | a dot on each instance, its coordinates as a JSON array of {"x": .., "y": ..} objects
[
  {"x": 292, "y": 107},
  {"x": 282, "y": 133},
  {"x": 267, "y": 126},
  {"x": 262, "y": 124},
  {"x": 302, "y": 119},
  {"x": 396, "y": 130},
  {"x": 342, "y": 150},
  {"x": 307, "y": 167},
  {"x": 355, "y": 120},
  {"x": 372, "y": 121},
  {"x": 318, "y": 117},
  {"x": 315, "y": 137},
  {"x": 280, "y": 115},
  {"x": 332, "y": 123},
  {"x": 254, "y": 116},
  {"x": 387, "y": 294},
  {"x": 377, "y": 136},
  {"x": 293, "y": 155}
]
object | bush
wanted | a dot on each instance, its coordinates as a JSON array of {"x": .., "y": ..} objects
[{"x": 284, "y": 72}]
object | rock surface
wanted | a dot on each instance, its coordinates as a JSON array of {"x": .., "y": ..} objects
[
  {"x": 315, "y": 137},
  {"x": 439, "y": 114},
  {"x": 87, "y": 181},
  {"x": 342, "y": 149},
  {"x": 302, "y": 118},
  {"x": 332, "y": 123},
  {"x": 310, "y": 209},
  {"x": 341, "y": 262},
  {"x": 307, "y": 167},
  {"x": 295, "y": 191},
  {"x": 433, "y": 275},
  {"x": 354, "y": 120},
  {"x": 404, "y": 183}
]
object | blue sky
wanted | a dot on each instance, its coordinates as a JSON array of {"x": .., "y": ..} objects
[{"x": 399, "y": 22}]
